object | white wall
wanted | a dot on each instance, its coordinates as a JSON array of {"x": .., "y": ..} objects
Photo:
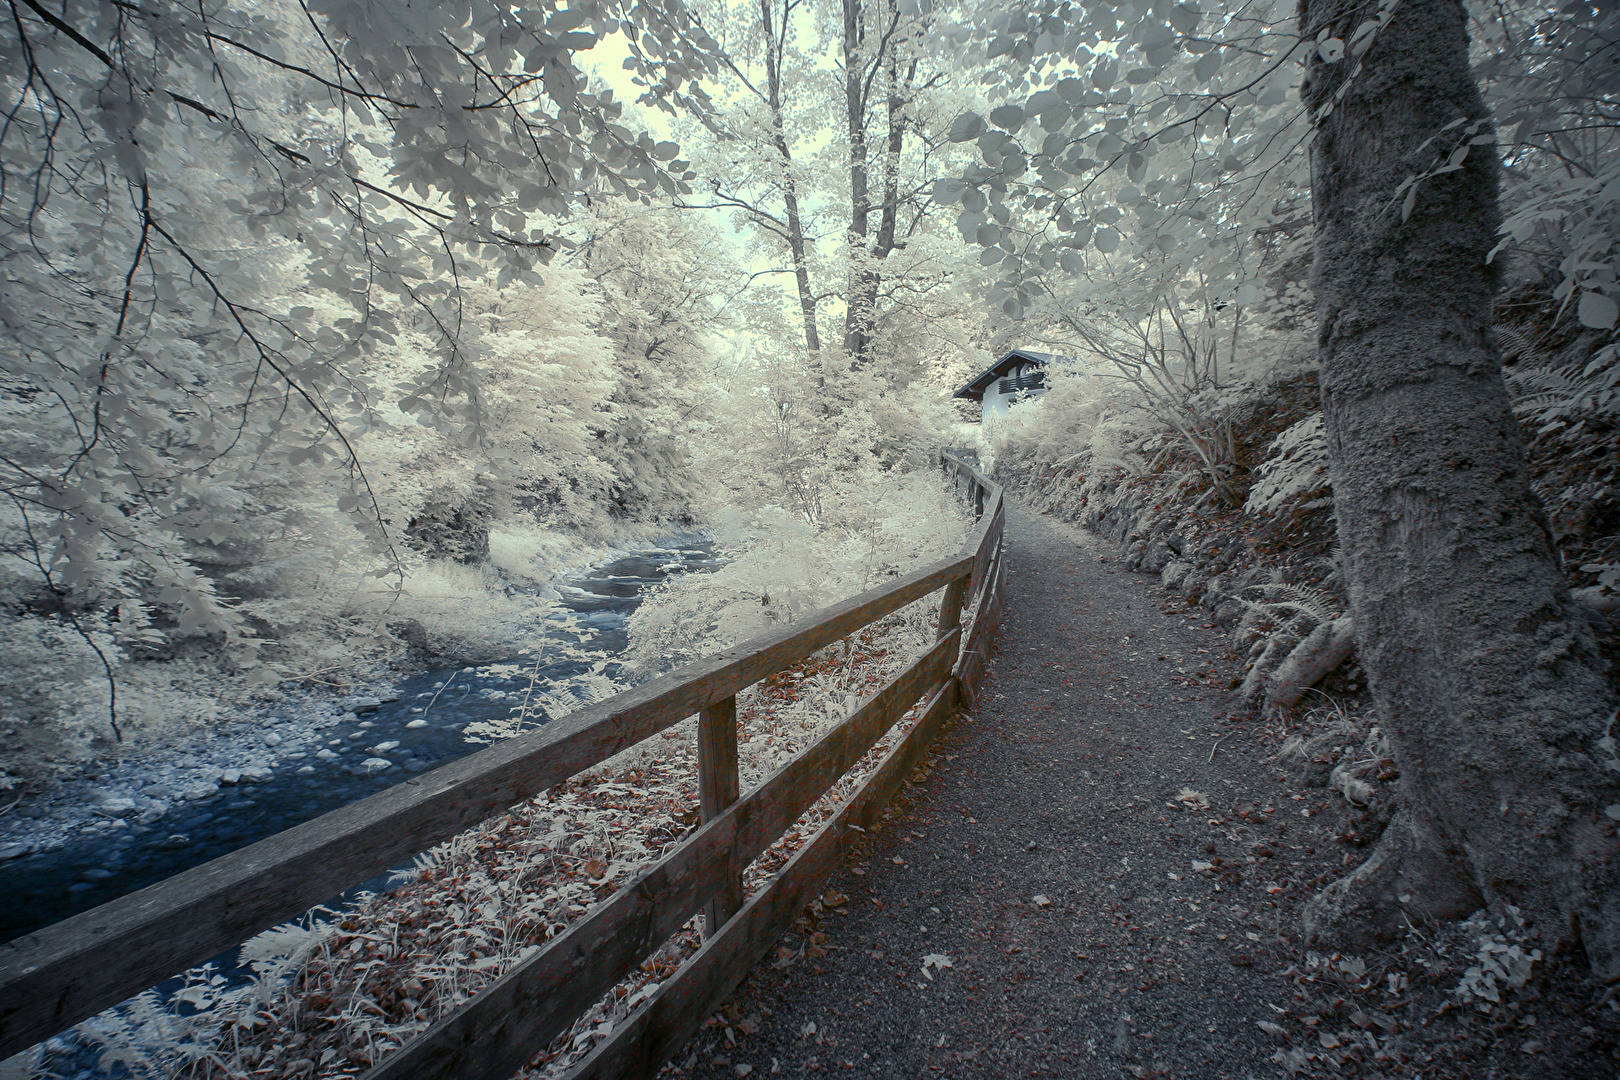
[{"x": 997, "y": 403}]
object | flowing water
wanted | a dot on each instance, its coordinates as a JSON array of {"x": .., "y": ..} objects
[{"x": 424, "y": 724}]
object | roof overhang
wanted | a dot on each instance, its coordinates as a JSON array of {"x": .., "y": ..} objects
[{"x": 974, "y": 391}]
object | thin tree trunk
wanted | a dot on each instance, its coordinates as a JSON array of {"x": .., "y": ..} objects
[
  {"x": 855, "y": 338},
  {"x": 866, "y": 276},
  {"x": 775, "y": 46},
  {"x": 891, "y": 160},
  {"x": 1483, "y": 671}
]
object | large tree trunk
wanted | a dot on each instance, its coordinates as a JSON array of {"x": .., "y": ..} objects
[{"x": 1484, "y": 672}]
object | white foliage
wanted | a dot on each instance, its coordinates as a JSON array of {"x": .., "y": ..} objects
[
  {"x": 1296, "y": 464},
  {"x": 778, "y": 567}
]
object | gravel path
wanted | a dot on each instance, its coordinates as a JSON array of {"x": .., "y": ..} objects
[{"x": 1041, "y": 858}]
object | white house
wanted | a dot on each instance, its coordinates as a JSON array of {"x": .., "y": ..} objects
[{"x": 1018, "y": 375}]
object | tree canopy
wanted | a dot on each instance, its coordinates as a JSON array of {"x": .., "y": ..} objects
[{"x": 302, "y": 289}]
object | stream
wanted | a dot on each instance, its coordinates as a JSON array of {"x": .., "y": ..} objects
[{"x": 151, "y": 827}]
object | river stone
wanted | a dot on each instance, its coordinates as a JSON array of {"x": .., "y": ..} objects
[
  {"x": 383, "y": 747},
  {"x": 417, "y": 724},
  {"x": 326, "y": 755},
  {"x": 374, "y": 765},
  {"x": 230, "y": 777},
  {"x": 272, "y": 739},
  {"x": 306, "y": 770},
  {"x": 1174, "y": 573},
  {"x": 15, "y": 850},
  {"x": 152, "y": 813},
  {"x": 117, "y": 807},
  {"x": 257, "y": 774},
  {"x": 194, "y": 794}
]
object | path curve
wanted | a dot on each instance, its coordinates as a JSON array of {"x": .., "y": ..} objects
[{"x": 1135, "y": 964}]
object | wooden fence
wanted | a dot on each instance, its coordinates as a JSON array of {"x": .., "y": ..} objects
[{"x": 67, "y": 972}]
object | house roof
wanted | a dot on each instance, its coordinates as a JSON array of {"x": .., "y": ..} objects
[{"x": 974, "y": 391}]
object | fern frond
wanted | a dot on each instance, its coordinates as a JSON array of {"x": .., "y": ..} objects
[
  {"x": 1315, "y": 604},
  {"x": 1517, "y": 345},
  {"x": 1296, "y": 465},
  {"x": 1554, "y": 393}
]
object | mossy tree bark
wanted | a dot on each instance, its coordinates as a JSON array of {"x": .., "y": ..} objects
[{"x": 1486, "y": 674}]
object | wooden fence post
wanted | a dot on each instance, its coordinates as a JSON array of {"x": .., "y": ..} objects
[
  {"x": 718, "y": 788},
  {"x": 950, "y": 607}
]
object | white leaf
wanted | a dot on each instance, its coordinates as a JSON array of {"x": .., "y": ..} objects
[
  {"x": 1362, "y": 39},
  {"x": 968, "y": 126},
  {"x": 1596, "y": 310},
  {"x": 1007, "y": 117},
  {"x": 1183, "y": 18}
]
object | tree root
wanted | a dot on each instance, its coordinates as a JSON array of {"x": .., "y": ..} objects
[
  {"x": 1412, "y": 877},
  {"x": 1276, "y": 650},
  {"x": 1324, "y": 649}
]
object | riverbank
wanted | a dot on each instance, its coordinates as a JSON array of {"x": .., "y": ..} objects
[{"x": 161, "y": 808}]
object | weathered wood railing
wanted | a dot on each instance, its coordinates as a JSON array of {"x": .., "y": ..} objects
[{"x": 67, "y": 972}]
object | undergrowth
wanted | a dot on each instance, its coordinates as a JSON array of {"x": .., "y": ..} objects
[{"x": 332, "y": 994}]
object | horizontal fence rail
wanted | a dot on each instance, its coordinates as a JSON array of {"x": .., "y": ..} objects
[{"x": 67, "y": 972}]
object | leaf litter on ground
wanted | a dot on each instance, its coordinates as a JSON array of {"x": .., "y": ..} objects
[{"x": 338, "y": 992}]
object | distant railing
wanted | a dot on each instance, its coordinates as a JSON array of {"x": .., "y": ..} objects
[{"x": 68, "y": 972}]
